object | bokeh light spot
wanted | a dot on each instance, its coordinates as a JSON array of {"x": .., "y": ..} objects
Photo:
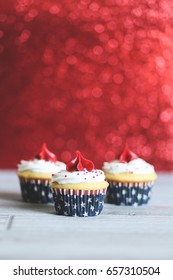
[
  {"x": 54, "y": 10},
  {"x": 99, "y": 28},
  {"x": 97, "y": 92},
  {"x": 116, "y": 99},
  {"x": 145, "y": 123},
  {"x": 112, "y": 43},
  {"x": 25, "y": 35},
  {"x": 94, "y": 6},
  {"x": 66, "y": 156},
  {"x": 97, "y": 50},
  {"x": 118, "y": 78},
  {"x": 71, "y": 59},
  {"x": 167, "y": 90},
  {"x": 109, "y": 156},
  {"x": 160, "y": 62},
  {"x": 105, "y": 76},
  {"x": 166, "y": 115}
]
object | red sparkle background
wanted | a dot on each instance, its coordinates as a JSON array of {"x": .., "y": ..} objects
[{"x": 87, "y": 75}]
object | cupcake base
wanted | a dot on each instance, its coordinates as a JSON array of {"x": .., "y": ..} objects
[
  {"x": 36, "y": 190},
  {"x": 133, "y": 194},
  {"x": 78, "y": 203}
]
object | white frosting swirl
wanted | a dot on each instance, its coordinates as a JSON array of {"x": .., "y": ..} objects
[
  {"x": 65, "y": 177},
  {"x": 41, "y": 165},
  {"x": 136, "y": 166}
]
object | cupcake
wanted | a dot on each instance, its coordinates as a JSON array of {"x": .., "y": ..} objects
[
  {"x": 35, "y": 176},
  {"x": 130, "y": 179},
  {"x": 80, "y": 189}
]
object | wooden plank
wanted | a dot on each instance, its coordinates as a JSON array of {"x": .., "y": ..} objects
[{"x": 120, "y": 232}]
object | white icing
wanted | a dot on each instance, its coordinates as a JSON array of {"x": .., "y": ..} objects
[
  {"x": 40, "y": 165},
  {"x": 65, "y": 177},
  {"x": 136, "y": 166}
]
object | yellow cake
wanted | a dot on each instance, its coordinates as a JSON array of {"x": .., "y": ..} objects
[
  {"x": 35, "y": 176},
  {"x": 80, "y": 189},
  {"x": 130, "y": 179}
]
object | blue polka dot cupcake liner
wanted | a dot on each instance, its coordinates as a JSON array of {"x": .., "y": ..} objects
[
  {"x": 36, "y": 190},
  {"x": 132, "y": 194},
  {"x": 79, "y": 203}
]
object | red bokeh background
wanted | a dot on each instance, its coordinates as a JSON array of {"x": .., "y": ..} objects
[{"x": 86, "y": 75}]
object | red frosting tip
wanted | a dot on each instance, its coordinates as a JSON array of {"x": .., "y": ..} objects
[
  {"x": 79, "y": 163},
  {"x": 127, "y": 155},
  {"x": 46, "y": 154}
]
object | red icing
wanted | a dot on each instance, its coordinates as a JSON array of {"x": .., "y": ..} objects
[
  {"x": 127, "y": 155},
  {"x": 46, "y": 154},
  {"x": 79, "y": 163}
]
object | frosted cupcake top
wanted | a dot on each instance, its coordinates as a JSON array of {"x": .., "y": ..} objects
[
  {"x": 41, "y": 165},
  {"x": 128, "y": 162},
  {"x": 44, "y": 162},
  {"x": 79, "y": 170}
]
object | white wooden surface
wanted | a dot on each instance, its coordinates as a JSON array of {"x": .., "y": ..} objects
[{"x": 30, "y": 231}]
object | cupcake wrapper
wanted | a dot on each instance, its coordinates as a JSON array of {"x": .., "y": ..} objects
[
  {"x": 78, "y": 203},
  {"x": 36, "y": 190},
  {"x": 129, "y": 193}
]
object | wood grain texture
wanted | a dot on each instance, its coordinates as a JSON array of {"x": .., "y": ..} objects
[{"x": 31, "y": 231}]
